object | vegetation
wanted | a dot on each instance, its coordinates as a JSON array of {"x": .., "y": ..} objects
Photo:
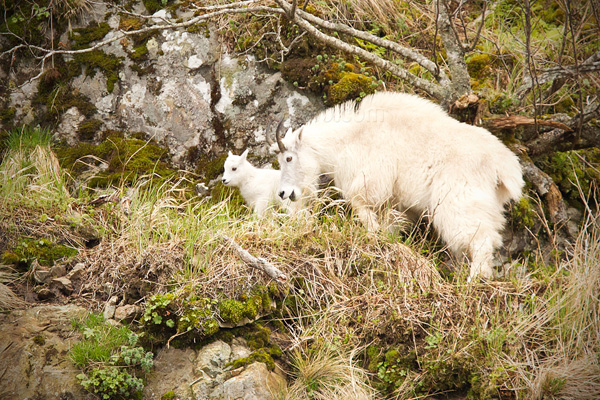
[
  {"x": 416, "y": 332},
  {"x": 110, "y": 359},
  {"x": 367, "y": 315}
]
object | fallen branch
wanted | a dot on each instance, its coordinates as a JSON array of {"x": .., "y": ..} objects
[
  {"x": 515, "y": 121},
  {"x": 257, "y": 262}
]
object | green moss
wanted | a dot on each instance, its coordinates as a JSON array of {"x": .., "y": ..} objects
[
  {"x": 232, "y": 311},
  {"x": 42, "y": 250},
  {"x": 40, "y": 340},
  {"x": 523, "y": 213},
  {"x": 191, "y": 317},
  {"x": 260, "y": 355},
  {"x": 168, "y": 396},
  {"x": 98, "y": 60},
  {"x": 129, "y": 23},
  {"x": 571, "y": 169},
  {"x": 7, "y": 114},
  {"x": 155, "y": 5},
  {"x": 257, "y": 337},
  {"x": 88, "y": 128},
  {"x": 93, "y": 32},
  {"x": 209, "y": 168},
  {"x": 140, "y": 53},
  {"x": 55, "y": 93},
  {"x": 350, "y": 86},
  {"x": 127, "y": 159},
  {"x": 479, "y": 66}
]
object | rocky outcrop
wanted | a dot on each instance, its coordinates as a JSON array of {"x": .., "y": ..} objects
[
  {"x": 34, "y": 363},
  {"x": 33, "y": 354},
  {"x": 205, "y": 374},
  {"x": 186, "y": 91}
]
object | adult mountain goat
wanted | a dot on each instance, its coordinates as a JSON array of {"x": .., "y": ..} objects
[{"x": 399, "y": 150}]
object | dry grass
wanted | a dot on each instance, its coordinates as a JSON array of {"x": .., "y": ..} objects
[
  {"x": 323, "y": 373},
  {"x": 532, "y": 337}
]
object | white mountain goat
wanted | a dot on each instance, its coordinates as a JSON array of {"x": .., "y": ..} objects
[
  {"x": 258, "y": 187},
  {"x": 402, "y": 151}
]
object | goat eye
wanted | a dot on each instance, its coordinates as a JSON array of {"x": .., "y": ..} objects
[
  {"x": 233, "y": 168},
  {"x": 288, "y": 159}
]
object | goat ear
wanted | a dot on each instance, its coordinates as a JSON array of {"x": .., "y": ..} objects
[
  {"x": 230, "y": 153},
  {"x": 300, "y": 134},
  {"x": 244, "y": 154}
]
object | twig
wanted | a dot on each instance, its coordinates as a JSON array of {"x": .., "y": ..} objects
[{"x": 257, "y": 262}]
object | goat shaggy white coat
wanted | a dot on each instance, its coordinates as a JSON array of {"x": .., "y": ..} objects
[
  {"x": 403, "y": 151},
  {"x": 257, "y": 186}
]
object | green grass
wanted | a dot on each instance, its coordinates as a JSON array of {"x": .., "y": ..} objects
[
  {"x": 100, "y": 340},
  {"x": 426, "y": 333}
]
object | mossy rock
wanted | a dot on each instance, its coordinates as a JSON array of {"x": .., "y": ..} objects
[
  {"x": 55, "y": 93},
  {"x": 155, "y": 5},
  {"x": 127, "y": 159},
  {"x": 523, "y": 213},
  {"x": 258, "y": 338},
  {"x": 83, "y": 37},
  {"x": 129, "y": 23},
  {"x": 350, "y": 86},
  {"x": 88, "y": 128},
  {"x": 97, "y": 60},
  {"x": 43, "y": 250},
  {"x": 191, "y": 316}
]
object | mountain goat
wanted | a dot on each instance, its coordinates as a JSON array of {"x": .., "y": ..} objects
[
  {"x": 402, "y": 151},
  {"x": 257, "y": 186}
]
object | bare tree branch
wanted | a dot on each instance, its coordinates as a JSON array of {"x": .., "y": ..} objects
[
  {"x": 406, "y": 52},
  {"x": 439, "y": 92},
  {"x": 592, "y": 64}
]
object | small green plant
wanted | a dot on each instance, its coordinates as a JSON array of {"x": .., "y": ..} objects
[
  {"x": 111, "y": 382},
  {"x": 110, "y": 359}
]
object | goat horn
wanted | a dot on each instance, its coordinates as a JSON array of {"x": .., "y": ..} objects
[
  {"x": 268, "y": 134},
  {"x": 278, "y": 137}
]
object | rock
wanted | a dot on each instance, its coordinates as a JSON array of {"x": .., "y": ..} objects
[
  {"x": 205, "y": 374},
  {"x": 128, "y": 313},
  {"x": 41, "y": 276},
  {"x": 76, "y": 272},
  {"x": 110, "y": 307},
  {"x": 173, "y": 372},
  {"x": 44, "y": 293},
  {"x": 202, "y": 190},
  {"x": 63, "y": 284},
  {"x": 239, "y": 349},
  {"x": 69, "y": 124},
  {"x": 256, "y": 382},
  {"x": 33, "y": 354},
  {"x": 58, "y": 270},
  {"x": 213, "y": 357}
]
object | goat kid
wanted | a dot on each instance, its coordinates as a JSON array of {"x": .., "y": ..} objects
[{"x": 257, "y": 186}]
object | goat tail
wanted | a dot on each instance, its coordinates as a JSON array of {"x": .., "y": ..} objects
[{"x": 510, "y": 180}]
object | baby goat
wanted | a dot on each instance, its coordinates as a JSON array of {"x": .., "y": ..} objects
[{"x": 257, "y": 186}]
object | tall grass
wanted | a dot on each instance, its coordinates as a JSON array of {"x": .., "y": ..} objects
[
  {"x": 30, "y": 172},
  {"x": 532, "y": 337}
]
